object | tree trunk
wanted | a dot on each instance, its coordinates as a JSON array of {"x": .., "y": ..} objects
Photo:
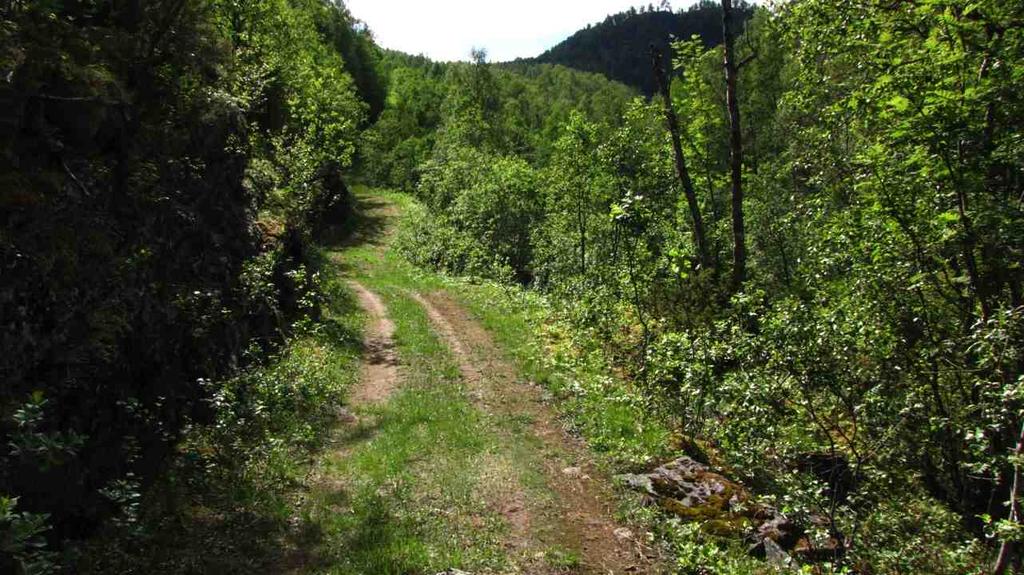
[
  {"x": 581, "y": 223},
  {"x": 680, "y": 160},
  {"x": 739, "y": 251},
  {"x": 1006, "y": 549}
]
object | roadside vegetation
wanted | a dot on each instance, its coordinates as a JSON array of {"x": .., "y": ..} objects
[
  {"x": 802, "y": 266},
  {"x": 229, "y": 501},
  {"x": 166, "y": 168},
  {"x": 795, "y": 271}
]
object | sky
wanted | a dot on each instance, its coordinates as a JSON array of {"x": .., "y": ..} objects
[{"x": 447, "y": 30}]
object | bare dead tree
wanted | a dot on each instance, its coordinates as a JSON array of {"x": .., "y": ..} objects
[{"x": 739, "y": 250}]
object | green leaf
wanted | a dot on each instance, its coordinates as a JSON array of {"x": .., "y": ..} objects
[{"x": 899, "y": 103}]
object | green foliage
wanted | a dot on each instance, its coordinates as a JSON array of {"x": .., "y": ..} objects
[
  {"x": 509, "y": 109},
  {"x": 403, "y": 136},
  {"x": 487, "y": 217},
  {"x": 911, "y": 535},
  {"x": 618, "y": 47},
  {"x": 697, "y": 553},
  {"x": 169, "y": 163},
  {"x": 877, "y": 330},
  {"x": 574, "y": 190},
  {"x": 165, "y": 167},
  {"x": 484, "y": 197},
  {"x": 228, "y": 498},
  {"x": 22, "y": 541}
]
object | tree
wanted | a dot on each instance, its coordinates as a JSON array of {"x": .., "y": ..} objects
[
  {"x": 672, "y": 122},
  {"x": 152, "y": 147},
  {"x": 739, "y": 238}
]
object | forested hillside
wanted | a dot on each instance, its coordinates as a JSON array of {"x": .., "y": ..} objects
[
  {"x": 760, "y": 291},
  {"x": 619, "y": 47},
  {"x": 806, "y": 263},
  {"x": 516, "y": 109}
]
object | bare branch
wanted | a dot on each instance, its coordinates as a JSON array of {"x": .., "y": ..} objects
[{"x": 746, "y": 61}]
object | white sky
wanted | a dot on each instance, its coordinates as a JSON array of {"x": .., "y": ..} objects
[{"x": 447, "y": 29}]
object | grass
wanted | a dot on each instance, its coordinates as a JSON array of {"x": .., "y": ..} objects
[
  {"x": 613, "y": 417},
  {"x": 227, "y": 505},
  {"x": 420, "y": 484},
  {"x": 603, "y": 409},
  {"x": 410, "y": 489},
  {"x": 406, "y": 498}
]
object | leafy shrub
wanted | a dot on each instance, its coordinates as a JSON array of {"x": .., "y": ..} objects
[
  {"x": 22, "y": 541},
  {"x": 487, "y": 209},
  {"x": 876, "y": 332},
  {"x": 169, "y": 165}
]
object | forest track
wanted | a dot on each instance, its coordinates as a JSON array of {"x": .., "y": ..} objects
[
  {"x": 581, "y": 515},
  {"x": 444, "y": 456},
  {"x": 379, "y": 377}
]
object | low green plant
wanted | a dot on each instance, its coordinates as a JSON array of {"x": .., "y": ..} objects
[{"x": 22, "y": 540}]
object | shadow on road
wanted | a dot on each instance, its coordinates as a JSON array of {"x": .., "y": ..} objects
[{"x": 366, "y": 224}]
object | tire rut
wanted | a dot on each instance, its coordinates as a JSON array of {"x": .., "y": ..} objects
[
  {"x": 379, "y": 378},
  {"x": 584, "y": 503}
]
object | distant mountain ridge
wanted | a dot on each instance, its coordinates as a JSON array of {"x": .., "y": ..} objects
[{"x": 619, "y": 47}]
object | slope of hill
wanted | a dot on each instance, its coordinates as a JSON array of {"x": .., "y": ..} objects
[
  {"x": 619, "y": 46},
  {"x": 523, "y": 108}
]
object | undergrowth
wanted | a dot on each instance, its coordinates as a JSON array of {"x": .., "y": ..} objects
[
  {"x": 632, "y": 431},
  {"x": 227, "y": 503}
]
